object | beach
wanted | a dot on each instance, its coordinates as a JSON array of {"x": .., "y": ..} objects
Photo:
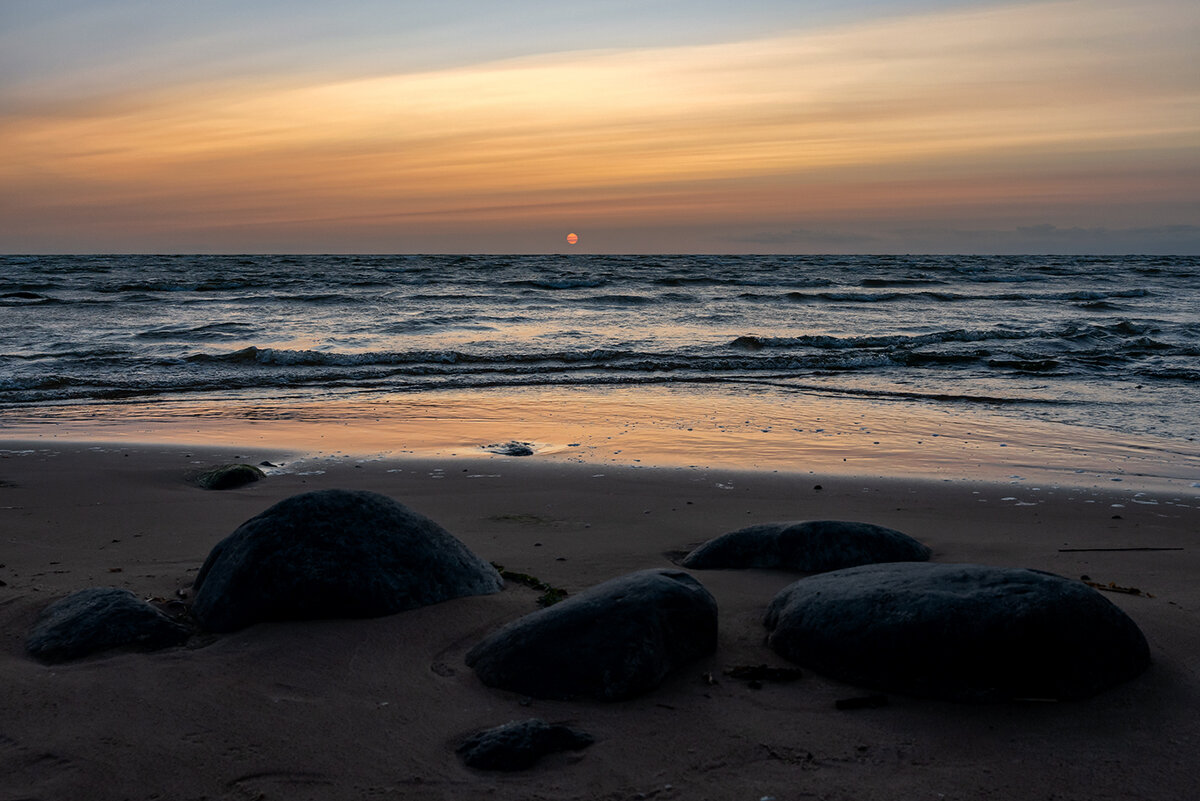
[
  {"x": 374, "y": 708},
  {"x": 377, "y": 375}
]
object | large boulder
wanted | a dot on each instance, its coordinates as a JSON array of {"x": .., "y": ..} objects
[
  {"x": 959, "y": 632},
  {"x": 334, "y": 553},
  {"x": 609, "y": 642},
  {"x": 809, "y": 546},
  {"x": 101, "y": 619},
  {"x": 519, "y": 745}
]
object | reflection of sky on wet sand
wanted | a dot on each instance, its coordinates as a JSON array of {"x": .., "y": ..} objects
[{"x": 654, "y": 426}]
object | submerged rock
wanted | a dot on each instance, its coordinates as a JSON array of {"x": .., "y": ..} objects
[
  {"x": 809, "y": 546},
  {"x": 612, "y": 641},
  {"x": 101, "y": 619},
  {"x": 959, "y": 632},
  {"x": 512, "y": 448},
  {"x": 334, "y": 553},
  {"x": 229, "y": 476},
  {"x": 519, "y": 745}
]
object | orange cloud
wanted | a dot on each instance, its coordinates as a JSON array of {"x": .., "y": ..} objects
[{"x": 947, "y": 105}]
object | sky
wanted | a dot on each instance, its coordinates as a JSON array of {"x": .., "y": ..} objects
[{"x": 643, "y": 126}]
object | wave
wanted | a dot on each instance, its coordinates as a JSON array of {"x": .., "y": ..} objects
[
  {"x": 829, "y": 342},
  {"x": 948, "y": 297},
  {"x": 1092, "y": 294},
  {"x": 895, "y": 282},
  {"x": 616, "y": 362},
  {"x": 27, "y": 298},
  {"x": 887, "y": 297},
  {"x": 790, "y": 281},
  {"x": 209, "y": 331},
  {"x": 557, "y": 283},
  {"x": 424, "y": 324},
  {"x": 1021, "y": 365},
  {"x": 617, "y": 300},
  {"x": 903, "y": 394}
]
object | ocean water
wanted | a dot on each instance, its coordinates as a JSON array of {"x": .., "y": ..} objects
[{"x": 1102, "y": 342}]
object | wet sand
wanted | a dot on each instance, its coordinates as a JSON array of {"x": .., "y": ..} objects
[
  {"x": 685, "y": 426},
  {"x": 373, "y": 708}
]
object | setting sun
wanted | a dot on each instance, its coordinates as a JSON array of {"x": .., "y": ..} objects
[{"x": 572, "y": 239}]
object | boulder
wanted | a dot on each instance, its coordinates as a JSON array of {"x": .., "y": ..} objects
[
  {"x": 334, "y": 553},
  {"x": 609, "y": 642},
  {"x": 101, "y": 619},
  {"x": 519, "y": 745},
  {"x": 809, "y": 546},
  {"x": 229, "y": 476},
  {"x": 958, "y": 632}
]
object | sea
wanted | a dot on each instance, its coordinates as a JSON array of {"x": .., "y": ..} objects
[{"x": 1106, "y": 343}]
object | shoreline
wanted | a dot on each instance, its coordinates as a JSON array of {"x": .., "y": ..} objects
[
  {"x": 798, "y": 433},
  {"x": 346, "y": 709}
]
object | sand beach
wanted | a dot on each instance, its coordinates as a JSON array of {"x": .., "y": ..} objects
[{"x": 349, "y": 709}]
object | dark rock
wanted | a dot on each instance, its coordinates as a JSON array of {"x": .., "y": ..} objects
[
  {"x": 518, "y": 745},
  {"x": 334, "y": 553},
  {"x": 810, "y": 546},
  {"x": 229, "y": 476},
  {"x": 512, "y": 448},
  {"x": 612, "y": 641},
  {"x": 101, "y": 619},
  {"x": 959, "y": 632}
]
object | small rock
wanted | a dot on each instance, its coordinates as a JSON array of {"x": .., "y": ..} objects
[
  {"x": 519, "y": 745},
  {"x": 511, "y": 448},
  {"x": 101, "y": 619},
  {"x": 229, "y": 476}
]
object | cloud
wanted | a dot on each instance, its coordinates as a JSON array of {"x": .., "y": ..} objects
[
  {"x": 805, "y": 238},
  {"x": 1049, "y": 238},
  {"x": 1021, "y": 239},
  {"x": 1033, "y": 105}
]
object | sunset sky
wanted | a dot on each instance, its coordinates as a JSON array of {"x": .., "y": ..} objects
[{"x": 477, "y": 126}]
